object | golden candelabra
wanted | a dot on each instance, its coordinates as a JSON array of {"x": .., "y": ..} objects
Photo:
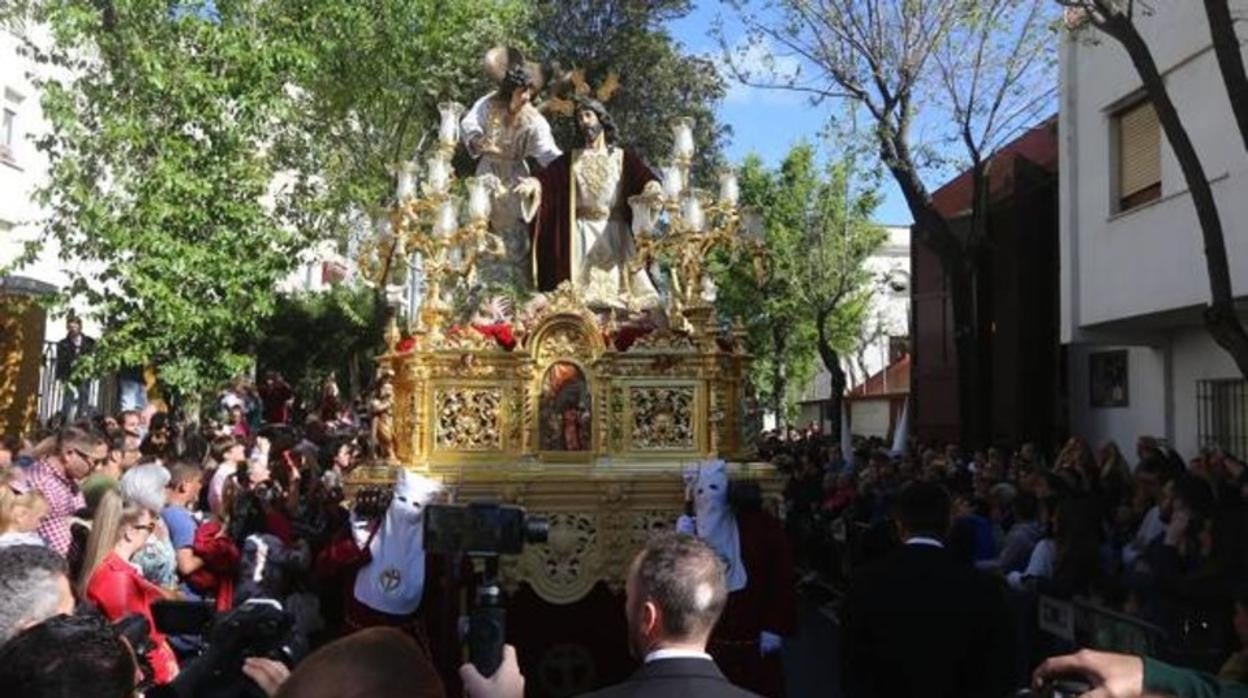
[
  {"x": 426, "y": 220},
  {"x": 682, "y": 225}
]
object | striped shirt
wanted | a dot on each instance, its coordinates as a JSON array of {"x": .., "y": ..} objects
[{"x": 64, "y": 498}]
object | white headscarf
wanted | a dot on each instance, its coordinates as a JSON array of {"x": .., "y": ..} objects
[
  {"x": 714, "y": 521},
  {"x": 394, "y": 580}
]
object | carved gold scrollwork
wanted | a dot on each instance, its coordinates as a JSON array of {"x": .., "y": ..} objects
[
  {"x": 564, "y": 568},
  {"x": 662, "y": 418},
  {"x": 563, "y": 343},
  {"x": 468, "y": 419}
]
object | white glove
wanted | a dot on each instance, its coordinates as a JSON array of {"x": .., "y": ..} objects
[
  {"x": 769, "y": 643},
  {"x": 359, "y": 529},
  {"x": 686, "y": 524}
]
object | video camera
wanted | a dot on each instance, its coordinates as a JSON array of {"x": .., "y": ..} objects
[
  {"x": 484, "y": 531},
  {"x": 481, "y": 529},
  {"x": 256, "y": 628}
]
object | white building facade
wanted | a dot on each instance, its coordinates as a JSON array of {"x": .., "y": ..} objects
[
  {"x": 886, "y": 334},
  {"x": 23, "y": 169},
  {"x": 1133, "y": 274}
]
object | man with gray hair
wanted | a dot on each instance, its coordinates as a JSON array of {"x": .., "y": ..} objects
[
  {"x": 34, "y": 586},
  {"x": 675, "y": 591}
]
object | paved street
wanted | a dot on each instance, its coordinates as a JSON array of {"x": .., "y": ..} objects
[{"x": 812, "y": 659}]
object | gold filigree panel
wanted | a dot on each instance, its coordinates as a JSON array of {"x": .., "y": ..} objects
[
  {"x": 564, "y": 568},
  {"x": 565, "y": 342},
  {"x": 468, "y": 419},
  {"x": 663, "y": 418}
]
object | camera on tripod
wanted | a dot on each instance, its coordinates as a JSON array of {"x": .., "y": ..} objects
[{"x": 483, "y": 531}]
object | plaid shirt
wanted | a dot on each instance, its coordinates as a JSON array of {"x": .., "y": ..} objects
[{"x": 64, "y": 498}]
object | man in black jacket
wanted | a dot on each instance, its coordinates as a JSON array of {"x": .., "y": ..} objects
[
  {"x": 68, "y": 351},
  {"x": 920, "y": 623},
  {"x": 674, "y": 594}
]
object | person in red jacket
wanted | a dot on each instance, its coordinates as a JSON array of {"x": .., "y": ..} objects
[{"x": 112, "y": 584}]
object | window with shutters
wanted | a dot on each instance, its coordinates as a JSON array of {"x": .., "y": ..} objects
[{"x": 1139, "y": 156}]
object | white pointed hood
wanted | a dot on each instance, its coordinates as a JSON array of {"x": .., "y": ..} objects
[
  {"x": 714, "y": 520},
  {"x": 394, "y": 580}
]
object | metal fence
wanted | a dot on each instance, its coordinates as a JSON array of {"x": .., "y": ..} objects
[
  {"x": 1222, "y": 414},
  {"x": 101, "y": 393}
]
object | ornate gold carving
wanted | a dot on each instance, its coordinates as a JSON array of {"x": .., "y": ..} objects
[
  {"x": 468, "y": 419},
  {"x": 566, "y": 566},
  {"x": 662, "y": 418},
  {"x": 664, "y": 340},
  {"x": 563, "y": 343},
  {"x": 469, "y": 367}
]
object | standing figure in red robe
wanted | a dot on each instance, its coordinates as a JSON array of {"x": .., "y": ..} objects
[
  {"x": 387, "y": 579},
  {"x": 762, "y": 595},
  {"x": 581, "y": 222}
]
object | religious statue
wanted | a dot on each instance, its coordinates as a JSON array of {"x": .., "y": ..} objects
[
  {"x": 565, "y": 409},
  {"x": 582, "y": 224},
  {"x": 381, "y": 407},
  {"x": 502, "y": 130}
]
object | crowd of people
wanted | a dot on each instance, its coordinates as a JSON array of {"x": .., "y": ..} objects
[
  {"x": 122, "y": 537},
  {"x": 1153, "y": 558}
]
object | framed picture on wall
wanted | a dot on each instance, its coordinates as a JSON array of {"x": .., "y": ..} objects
[{"x": 1107, "y": 378}]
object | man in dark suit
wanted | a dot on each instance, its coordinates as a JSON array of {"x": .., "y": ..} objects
[
  {"x": 674, "y": 594},
  {"x": 74, "y": 346},
  {"x": 920, "y": 623}
]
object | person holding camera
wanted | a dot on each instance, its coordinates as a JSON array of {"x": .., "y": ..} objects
[{"x": 1111, "y": 675}]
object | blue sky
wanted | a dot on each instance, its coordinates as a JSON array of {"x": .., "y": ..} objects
[{"x": 767, "y": 122}]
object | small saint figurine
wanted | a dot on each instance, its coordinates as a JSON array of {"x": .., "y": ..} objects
[{"x": 382, "y": 409}]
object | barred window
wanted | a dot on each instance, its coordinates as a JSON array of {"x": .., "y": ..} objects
[{"x": 1222, "y": 414}]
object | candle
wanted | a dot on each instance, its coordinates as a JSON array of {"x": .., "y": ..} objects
[
  {"x": 673, "y": 182},
  {"x": 448, "y": 129},
  {"x": 682, "y": 138},
  {"x": 437, "y": 174},
  {"x": 446, "y": 223},
  {"x": 406, "y": 186},
  {"x": 729, "y": 189},
  {"x": 479, "y": 198},
  {"x": 643, "y": 214},
  {"x": 691, "y": 211}
]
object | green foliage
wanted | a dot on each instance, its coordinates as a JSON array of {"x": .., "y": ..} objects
[
  {"x": 170, "y": 126},
  {"x": 658, "y": 82},
  {"x": 378, "y": 71},
  {"x": 315, "y": 333},
  {"x": 817, "y": 240},
  {"x": 196, "y": 147}
]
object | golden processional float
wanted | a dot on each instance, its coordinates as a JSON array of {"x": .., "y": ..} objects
[{"x": 577, "y": 421}]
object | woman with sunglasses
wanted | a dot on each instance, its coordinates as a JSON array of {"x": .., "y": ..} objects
[{"x": 119, "y": 531}]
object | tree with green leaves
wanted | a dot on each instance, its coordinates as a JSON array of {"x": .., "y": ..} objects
[
  {"x": 376, "y": 74},
  {"x": 985, "y": 66},
  {"x": 815, "y": 300},
  {"x": 197, "y": 147},
  {"x": 174, "y": 173},
  {"x": 658, "y": 81},
  {"x": 312, "y": 334}
]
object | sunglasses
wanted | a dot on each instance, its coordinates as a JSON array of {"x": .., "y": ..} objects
[{"x": 95, "y": 462}]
